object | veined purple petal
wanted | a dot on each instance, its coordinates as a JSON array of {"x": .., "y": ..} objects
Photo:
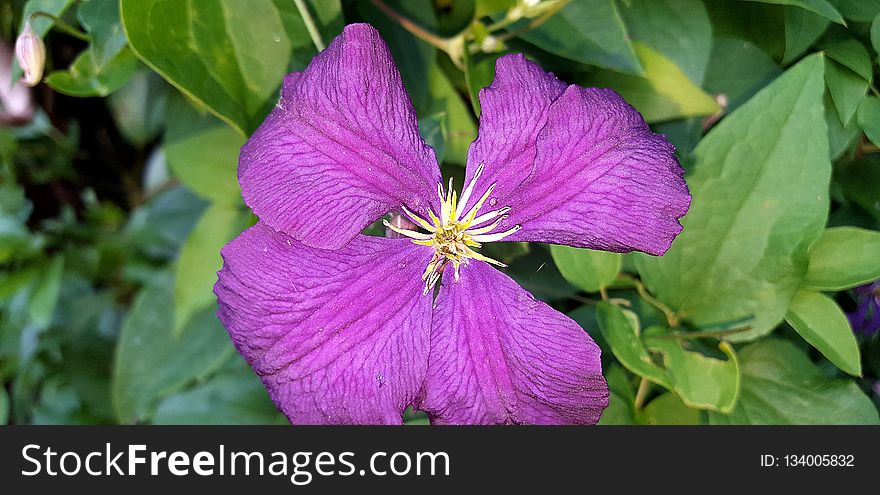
[
  {"x": 338, "y": 337},
  {"x": 514, "y": 110},
  {"x": 498, "y": 356},
  {"x": 602, "y": 179},
  {"x": 341, "y": 148}
]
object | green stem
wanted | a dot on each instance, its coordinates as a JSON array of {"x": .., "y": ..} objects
[
  {"x": 61, "y": 25},
  {"x": 707, "y": 334},
  {"x": 413, "y": 28},
  {"x": 671, "y": 317},
  {"x": 642, "y": 393},
  {"x": 310, "y": 24}
]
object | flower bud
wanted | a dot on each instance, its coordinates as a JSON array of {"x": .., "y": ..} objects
[{"x": 31, "y": 55}]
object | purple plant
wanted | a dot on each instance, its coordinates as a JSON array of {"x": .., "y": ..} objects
[
  {"x": 345, "y": 328},
  {"x": 866, "y": 317}
]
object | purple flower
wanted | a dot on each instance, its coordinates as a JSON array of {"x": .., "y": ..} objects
[
  {"x": 866, "y": 318},
  {"x": 344, "y": 328}
]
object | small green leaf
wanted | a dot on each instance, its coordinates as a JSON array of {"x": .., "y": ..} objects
[
  {"x": 586, "y": 269},
  {"x": 780, "y": 385},
  {"x": 199, "y": 260},
  {"x": 853, "y": 55},
  {"x": 101, "y": 20},
  {"x": 151, "y": 362},
  {"x": 42, "y": 303},
  {"x": 821, "y": 7},
  {"x": 620, "y": 328},
  {"x": 847, "y": 90},
  {"x": 840, "y": 137},
  {"x": 668, "y": 409},
  {"x": 821, "y": 322},
  {"x": 843, "y": 258},
  {"x": 82, "y": 79},
  {"x": 701, "y": 381},
  {"x": 869, "y": 118}
]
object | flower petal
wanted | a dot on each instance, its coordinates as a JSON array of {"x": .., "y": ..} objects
[
  {"x": 514, "y": 110},
  {"x": 498, "y": 356},
  {"x": 337, "y": 337},
  {"x": 341, "y": 148},
  {"x": 602, "y": 179}
]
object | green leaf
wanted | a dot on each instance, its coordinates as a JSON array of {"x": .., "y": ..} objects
[
  {"x": 802, "y": 28},
  {"x": 821, "y": 7},
  {"x": 780, "y": 385},
  {"x": 821, "y": 322},
  {"x": 231, "y": 60},
  {"x": 479, "y": 72},
  {"x": 759, "y": 201},
  {"x": 206, "y": 162},
  {"x": 679, "y": 30},
  {"x": 853, "y": 55},
  {"x": 44, "y": 299},
  {"x": 433, "y": 131},
  {"x": 847, "y": 90},
  {"x": 858, "y": 180},
  {"x": 235, "y": 397},
  {"x": 738, "y": 69},
  {"x": 620, "y": 400},
  {"x": 151, "y": 362},
  {"x": 875, "y": 33},
  {"x": 101, "y": 20},
  {"x": 139, "y": 107},
  {"x": 196, "y": 269},
  {"x": 843, "y": 258},
  {"x": 869, "y": 118},
  {"x": 4, "y": 405},
  {"x": 460, "y": 126},
  {"x": 668, "y": 409},
  {"x": 664, "y": 93},
  {"x": 840, "y": 137},
  {"x": 857, "y": 10},
  {"x": 590, "y": 32},
  {"x": 620, "y": 328},
  {"x": 82, "y": 79},
  {"x": 759, "y": 23},
  {"x": 586, "y": 269},
  {"x": 701, "y": 381}
]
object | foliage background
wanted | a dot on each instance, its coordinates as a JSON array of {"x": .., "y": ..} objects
[{"x": 118, "y": 188}]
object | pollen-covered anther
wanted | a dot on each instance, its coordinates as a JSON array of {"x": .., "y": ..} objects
[{"x": 456, "y": 232}]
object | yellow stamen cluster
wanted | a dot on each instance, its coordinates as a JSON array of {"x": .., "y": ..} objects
[{"x": 455, "y": 233}]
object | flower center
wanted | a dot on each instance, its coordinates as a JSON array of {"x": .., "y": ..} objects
[{"x": 456, "y": 233}]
